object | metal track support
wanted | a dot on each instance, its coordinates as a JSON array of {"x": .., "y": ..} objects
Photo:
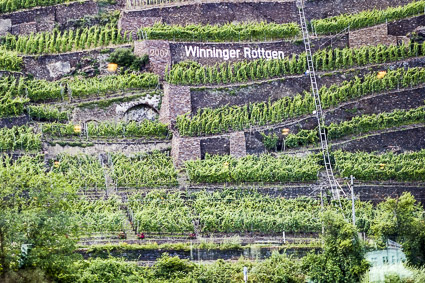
[{"x": 333, "y": 184}]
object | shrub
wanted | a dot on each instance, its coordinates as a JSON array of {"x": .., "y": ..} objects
[{"x": 125, "y": 58}]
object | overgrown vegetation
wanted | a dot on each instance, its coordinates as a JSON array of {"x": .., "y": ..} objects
[
  {"x": 140, "y": 170},
  {"x": 144, "y": 170},
  {"x": 402, "y": 220},
  {"x": 124, "y": 57},
  {"x": 37, "y": 233},
  {"x": 231, "y": 211},
  {"x": 342, "y": 259},
  {"x": 325, "y": 60},
  {"x": 99, "y": 215},
  {"x": 82, "y": 170}
]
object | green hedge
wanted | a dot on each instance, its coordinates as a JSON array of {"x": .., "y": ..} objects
[{"x": 47, "y": 113}]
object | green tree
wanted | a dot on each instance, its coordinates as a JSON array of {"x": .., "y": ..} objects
[
  {"x": 33, "y": 212},
  {"x": 402, "y": 220},
  {"x": 342, "y": 259}
]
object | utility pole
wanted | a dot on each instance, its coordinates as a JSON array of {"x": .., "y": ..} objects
[{"x": 352, "y": 199}]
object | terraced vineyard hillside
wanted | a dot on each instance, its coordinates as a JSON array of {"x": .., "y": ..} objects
[{"x": 141, "y": 139}]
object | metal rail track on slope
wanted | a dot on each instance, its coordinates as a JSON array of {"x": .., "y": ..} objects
[{"x": 334, "y": 186}]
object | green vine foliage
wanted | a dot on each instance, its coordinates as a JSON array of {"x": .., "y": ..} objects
[
  {"x": 47, "y": 113},
  {"x": 19, "y": 138},
  {"x": 99, "y": 215},
  {"x": 12, "y": 102},
  {"x": 83, "y": 171},
  {"x": 76, "y": 87},
  {"x": 367, "y": 18},
  {"x": 359, "y": 125},
  {"x": 270, "y": 141},
  {"x": 141, "y": 170},
  {"x": 368, "y": 166},
  {"x": 212, "y": 121},
  {"x": 145, "y": 129},
  {"x": 265, "y": 168},
  {"x": 144, "y": 170},
  {"x": 14, "y": 5},
  {"x": 324, "y": 60},
  {"x": 231, "y": 211},
  {"x": 225, "y": 32},
  {"x": 65, "y": 41},
  {"x": 9, "y": 60}
]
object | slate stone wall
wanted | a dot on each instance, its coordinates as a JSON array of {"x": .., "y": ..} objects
[
  {"x": 221, "y": 12},
  {"x": 158, "y": 52},
  {"x": 247, "y": 51},
  {"x": 45, "y": 18}
]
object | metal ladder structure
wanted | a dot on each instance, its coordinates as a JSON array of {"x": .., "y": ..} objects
[{"x": 334, "y": 186}]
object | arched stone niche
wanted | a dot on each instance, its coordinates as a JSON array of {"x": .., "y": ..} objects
[{"x": 141, "y": 112}]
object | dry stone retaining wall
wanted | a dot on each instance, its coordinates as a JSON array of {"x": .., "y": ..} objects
[
  {"x": 158, "y": 52},
  {"x": 249, "y": 11},
  {"x": 176, "y": 101},
  {"x": 192, "y": 148},
  {"x": 371, "y": 36},
  {"x": 184, "y": 149},
  {"x": 55, "y": 66},
  {"x": 237, "y": 144},
  {"x": 400, "y": 140},
  {"x": 406, "y": 99},
  {"x": 118, "y": 110},
  {"x": 210, "y": 13},
  {"x": 405, "y": 26},
  {"x": 98, "y": 147},
  {"x": 45, "y": 18}
]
